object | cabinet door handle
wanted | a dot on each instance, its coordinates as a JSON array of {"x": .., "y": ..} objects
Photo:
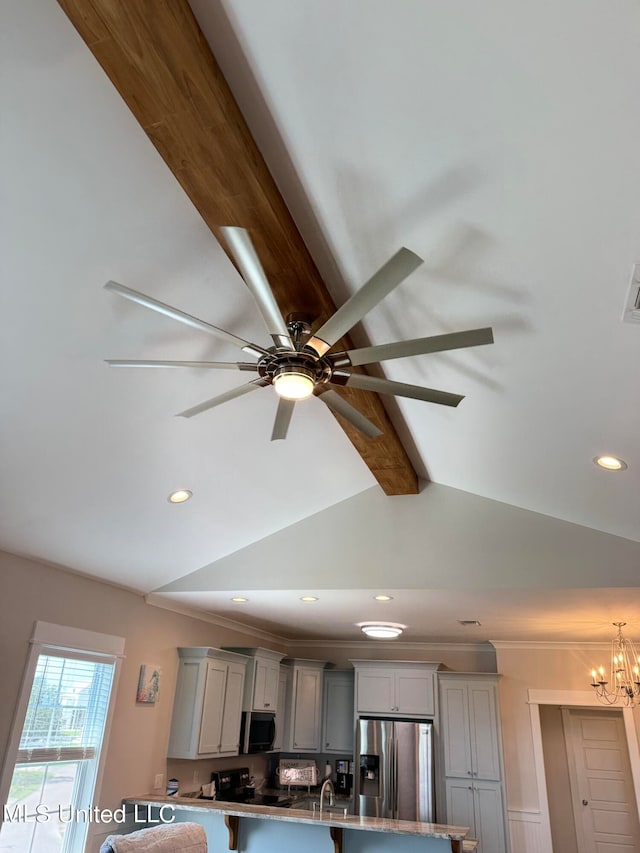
[
  {"x": 267, "y": 704},
  {"x": 469, "y": 773},
  {"x": 585, "y": 802}
]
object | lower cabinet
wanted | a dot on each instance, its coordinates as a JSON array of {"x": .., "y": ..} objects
[
  {"x": 207, "y": 707},
  {"x": 478, "y": 805}
]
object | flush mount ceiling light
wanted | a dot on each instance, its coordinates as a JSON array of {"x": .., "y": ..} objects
[
  {"x": 383, "y": 597},
  {"x": 382, "y": 630},
  {"x": 308, "y": 598},
  {"x": 179, "y": 496},
  {"x": 611, "y": 463},
  {"x": 239, "y": 599}
]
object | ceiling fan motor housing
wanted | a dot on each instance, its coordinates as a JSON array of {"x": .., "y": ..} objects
[{"x": 282, "y": 363}]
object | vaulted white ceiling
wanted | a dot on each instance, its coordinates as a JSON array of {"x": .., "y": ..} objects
[{"x": 497, "y": 141}]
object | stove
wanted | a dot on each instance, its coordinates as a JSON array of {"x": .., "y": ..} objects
[{"x": 232, "y": 786}]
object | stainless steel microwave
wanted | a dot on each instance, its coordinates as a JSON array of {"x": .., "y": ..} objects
[{"x": 257, "y": 731}]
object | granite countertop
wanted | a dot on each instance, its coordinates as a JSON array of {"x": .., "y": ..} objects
[{"x": 371, "y": 824}]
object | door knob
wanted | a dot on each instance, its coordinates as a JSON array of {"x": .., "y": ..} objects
[{"x": 585, "y": 802}]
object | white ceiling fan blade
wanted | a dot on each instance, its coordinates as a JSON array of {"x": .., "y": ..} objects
[
  {"x": 223, "y": 398},
  {"x": 283, "y": 419},
  {"x": 248, "y": 261},
  {"x": 174, "y": 313},
  {"x": 215, "y": 365},
  {"x": 398, "y": 389},
  {"x": 420, "y": 346},
  {"x": 342, "y": 407},
  {"x": 402, "y": 264}
]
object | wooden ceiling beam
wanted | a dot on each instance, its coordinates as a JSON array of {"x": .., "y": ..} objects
[{"x": 158, "y": 59}]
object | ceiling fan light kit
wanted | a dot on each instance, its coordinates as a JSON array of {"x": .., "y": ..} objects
[
  {"x": 294, "y": 383},
  {"x": 300, "y": 363}
]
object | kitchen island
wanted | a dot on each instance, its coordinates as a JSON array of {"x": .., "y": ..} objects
[{"x": 250, "y": 828}]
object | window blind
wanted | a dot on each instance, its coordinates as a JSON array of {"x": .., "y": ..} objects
[{"x": 67, "y": 709}]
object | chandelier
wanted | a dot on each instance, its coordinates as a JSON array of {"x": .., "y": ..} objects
[{"x": 623, "y": 685}]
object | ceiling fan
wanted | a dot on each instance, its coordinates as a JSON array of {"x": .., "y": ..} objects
[{"x": 300, "y": 363}]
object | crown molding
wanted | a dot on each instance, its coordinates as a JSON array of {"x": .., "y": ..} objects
[
  {"x": 156, "y": 600},
  {"x": 542, "y": 645},
  {"x": 484, "y": 648}
]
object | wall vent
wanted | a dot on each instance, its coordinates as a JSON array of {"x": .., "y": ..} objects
[
  {"x": 632, "y": 308},
  {"x": 468, "y": 622}
]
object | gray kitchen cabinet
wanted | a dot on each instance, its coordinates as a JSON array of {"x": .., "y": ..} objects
[
  {"x": 304, "y": 706},
  {"x": 208, "y": 703},
  {"x": 261, "y": 684},
  {"x": 337, "y": 712},
  {"x": 478, "y": 805},
  {"x": 472, "y": 757},
  {"x": 395, "y": 687}
]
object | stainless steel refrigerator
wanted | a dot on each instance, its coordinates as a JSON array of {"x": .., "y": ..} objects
[{"x": 394, "y": 769}]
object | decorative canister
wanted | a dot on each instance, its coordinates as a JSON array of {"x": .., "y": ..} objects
[{"x": 172, "y": 787}]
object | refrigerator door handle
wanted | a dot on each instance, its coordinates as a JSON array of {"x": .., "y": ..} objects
[{"x": 394, "y": 792}]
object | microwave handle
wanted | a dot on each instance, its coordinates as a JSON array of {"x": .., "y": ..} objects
[{"x": 272, "y": 729}]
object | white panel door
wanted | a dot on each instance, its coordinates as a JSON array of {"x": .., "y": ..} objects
[
  {"x": 307, "y": 710},
  {"x": 489, "y": 816},
  {"x": 265, "y": 691},
  {"x": 483, "y": 719},
  {"x": 281, "y": 714},
  {"x": 604, "y": 805},
  {"x": 375, "y": 691},
  {"x": 337, "y": 716},
  {"x": 460, "y": 811},
  {"x": 230, "y": 729},
  {"x": 414, "y": 692},
  {"x": 212, "y": 708},
  {"x": 454, "y": 716}
]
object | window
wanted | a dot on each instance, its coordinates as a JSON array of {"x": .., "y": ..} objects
[{"x": 53, "y": 761}]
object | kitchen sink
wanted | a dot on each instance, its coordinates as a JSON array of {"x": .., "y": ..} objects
[{"x": 312, "y": 804}]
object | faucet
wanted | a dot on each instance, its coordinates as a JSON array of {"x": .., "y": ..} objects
[{"x": 327, "y": 784}]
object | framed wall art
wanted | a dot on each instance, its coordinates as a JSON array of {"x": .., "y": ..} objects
[{"x": 148, "y": 684}]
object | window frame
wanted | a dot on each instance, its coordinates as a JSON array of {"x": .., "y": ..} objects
[{"x": 62, "y": 640}]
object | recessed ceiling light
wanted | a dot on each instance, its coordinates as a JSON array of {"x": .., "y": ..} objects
[
  {"x": 308, "y": 598},
  {"x": 611, "y": 463},
  {"x": 382, "y": 630},
  {"x": 179, "y": 496},
  {"x": 383, "y": 597},
  {"x": 239, "y": 599},
  {"x": 467, "y": 623}
]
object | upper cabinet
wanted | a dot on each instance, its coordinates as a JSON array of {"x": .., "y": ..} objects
[
  {"x": 395, "y": 687},
  {"x": 469, "y": 720},
  {"x": 281, "y": 713},
  {"x": 261, "y": 685},
  {"x": 208, "y": 703},
  {"x": 303, "y": 716},
  {"x": 337, "y": 712}
]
